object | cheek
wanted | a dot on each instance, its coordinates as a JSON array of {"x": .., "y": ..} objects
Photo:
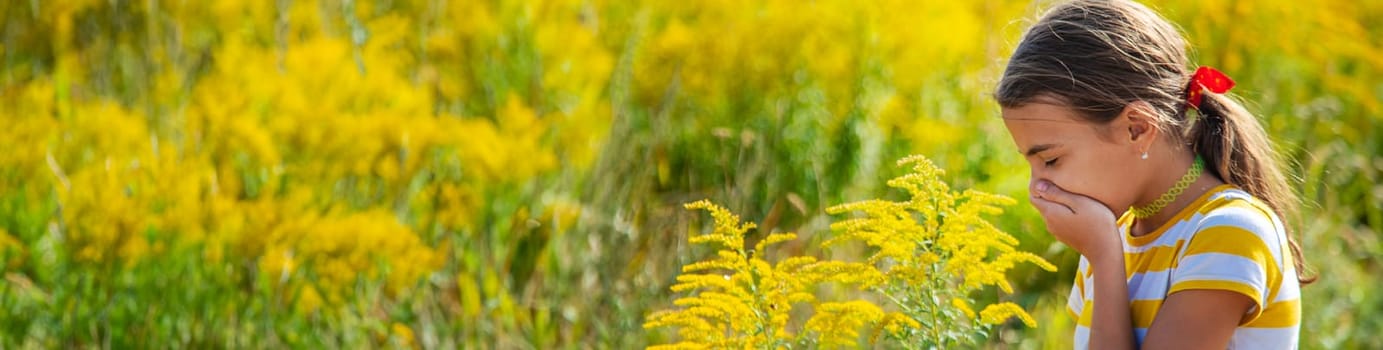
[
  {"x": 1107, "y": 181},
  {"x": 1110, "y": 193},
  {"x": 1094, "y": 179}
]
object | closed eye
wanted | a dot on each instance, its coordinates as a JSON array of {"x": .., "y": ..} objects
[{"x": 1051, "y": 162}]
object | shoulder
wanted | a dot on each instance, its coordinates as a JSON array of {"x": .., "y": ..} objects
[
  {"x": 1237, "y": 238},
  {"x": 1232, "y": 208},
  {"x": 1239, "y": 245}
]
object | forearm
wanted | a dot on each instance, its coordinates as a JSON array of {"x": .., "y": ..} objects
[{"x": 1111, "y": 326}]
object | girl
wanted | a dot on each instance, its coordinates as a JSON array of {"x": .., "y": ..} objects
[{"x": 1099, "y": 98}]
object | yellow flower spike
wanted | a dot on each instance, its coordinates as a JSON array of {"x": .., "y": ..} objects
[
  {"x": 838, "y": 324},
  {"x": 773, "y": 239},
  {"x": 893, "y": 323},
  {"x": 964, "y": 307},
  {"x": 999, "y": 313}
]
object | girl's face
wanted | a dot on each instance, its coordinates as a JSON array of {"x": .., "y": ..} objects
[{"x": 1102, "y": 163}]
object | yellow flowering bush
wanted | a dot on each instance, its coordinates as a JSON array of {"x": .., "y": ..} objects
[
  {"x": 313, "y": 247},
  {"x": 930, "y": 253},
  {"x": 298, "y": 160}
]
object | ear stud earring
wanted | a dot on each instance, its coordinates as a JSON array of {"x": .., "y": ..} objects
[{"x": 1145, "y": 155}]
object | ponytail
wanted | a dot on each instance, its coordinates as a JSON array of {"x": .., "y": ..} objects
[{"x": 1237, "y": 150}]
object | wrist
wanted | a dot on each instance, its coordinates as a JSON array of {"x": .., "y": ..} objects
[
  {"x": 1109, "y": 250},
  {"x": 1107, "y": 261}
]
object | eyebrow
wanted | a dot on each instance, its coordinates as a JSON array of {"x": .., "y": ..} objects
[{"x": 1039, "y": 148}]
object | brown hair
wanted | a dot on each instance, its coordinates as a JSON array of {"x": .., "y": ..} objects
[{"x": 1098, "y": 57}]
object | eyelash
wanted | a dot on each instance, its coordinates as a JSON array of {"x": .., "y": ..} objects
[{"x": 1051, "y": 162}]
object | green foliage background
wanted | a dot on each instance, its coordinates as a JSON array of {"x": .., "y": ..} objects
[{"x": 510, "y": 174}]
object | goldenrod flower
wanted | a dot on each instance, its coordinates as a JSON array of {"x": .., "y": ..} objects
[
  {"x": 838, "y": 324},
  {"x": 738, "y": 299},
  {"x": 1001, "y": 312},
  {"x": 929, "y": 254}
]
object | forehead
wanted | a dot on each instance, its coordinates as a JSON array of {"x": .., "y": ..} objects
[{"x": 1046, "y": 123}]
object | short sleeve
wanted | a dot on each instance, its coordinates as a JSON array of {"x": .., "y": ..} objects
[
  {"x": 1235, "y": 248},
  {"x": 1075, "y": 304}
]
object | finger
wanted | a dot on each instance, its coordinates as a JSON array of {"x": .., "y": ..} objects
[
  {"x": 1077, "y": 203},
  {"x": 1048, "y": 207},
  {"x": 1051, "y": 192}
]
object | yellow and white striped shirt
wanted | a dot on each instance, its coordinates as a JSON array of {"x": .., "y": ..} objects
[{"x": 1225, "y": 240}]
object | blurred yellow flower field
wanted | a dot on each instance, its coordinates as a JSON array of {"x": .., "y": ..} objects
[{"x": 511, "y": 174}]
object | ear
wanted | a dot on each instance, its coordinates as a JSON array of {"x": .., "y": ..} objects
[{"x": 1141, "y": 124}]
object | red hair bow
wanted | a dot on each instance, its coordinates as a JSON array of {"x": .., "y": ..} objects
[{"x": 1209, "y": 79}]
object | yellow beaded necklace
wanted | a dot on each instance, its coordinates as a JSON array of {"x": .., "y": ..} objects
[{"x": 1166, "y": 198}]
